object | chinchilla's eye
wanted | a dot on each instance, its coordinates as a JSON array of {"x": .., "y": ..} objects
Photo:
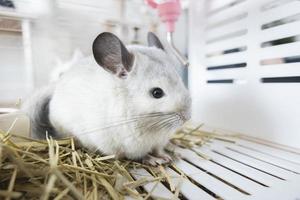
[{"x": 157, "y": 93}]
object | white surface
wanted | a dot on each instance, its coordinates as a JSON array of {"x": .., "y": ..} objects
[
  {"x": 26, "y": 33},
  {"x": 157, "y": 189},
  {"x": 273, "y": 160},
  {"x": 15, "y": 78},
  {"x": 244, "y": 174},
  {"x": 214, "y": 185},
  {"x": 219, "y": 171},
  {"x": 266, "y": 110},
  {"x": 188, "y": 189}
]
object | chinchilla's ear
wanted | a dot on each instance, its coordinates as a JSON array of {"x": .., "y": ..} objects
[
  {"x": 154, "y": 41},
  {"x": 111, "y": 54}
]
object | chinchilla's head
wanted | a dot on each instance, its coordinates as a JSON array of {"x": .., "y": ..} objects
[{"x": 155, "y": 93}]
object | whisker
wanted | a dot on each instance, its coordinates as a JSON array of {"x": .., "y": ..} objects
[
  {"x": 141, "y": 132},
  {"x": 140, "y": 116},
  {"x": 125, "y": 122},
  {"x": 164, "y": 122},
  {"x": 167, "y": 123},
  {"x": 146, "y": 124},
  {"x": 106, "y": 127},
  {"x": 170, "y": 125},
  {"x": 157, "y": 124}
]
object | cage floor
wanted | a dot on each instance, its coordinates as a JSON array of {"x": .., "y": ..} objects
[{"x": 232, "y": 168}]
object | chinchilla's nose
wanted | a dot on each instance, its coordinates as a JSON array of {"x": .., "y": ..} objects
[
  {"x": 185, "y": 115},
  {"x": 185, "y": 109}
]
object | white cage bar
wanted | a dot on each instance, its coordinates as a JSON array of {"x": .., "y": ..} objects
[{"x": 245, "y": 69}]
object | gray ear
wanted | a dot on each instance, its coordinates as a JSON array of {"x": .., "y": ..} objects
[
  {"x": 154, "y": 41},
  {"x": 111, "y": 54}
]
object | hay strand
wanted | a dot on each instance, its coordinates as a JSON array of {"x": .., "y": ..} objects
[{"x": 59, "y": 169}]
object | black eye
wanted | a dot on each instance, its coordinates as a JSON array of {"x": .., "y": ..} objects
[{"x": 157, "y": 93}]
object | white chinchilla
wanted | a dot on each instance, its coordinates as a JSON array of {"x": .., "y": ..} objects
[{"x": 125, "y": 101}]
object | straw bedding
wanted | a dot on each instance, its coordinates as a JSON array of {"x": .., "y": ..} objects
[{"x": 60, "y": 169}]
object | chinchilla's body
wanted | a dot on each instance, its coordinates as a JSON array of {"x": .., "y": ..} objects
[{"x": 129, "y": 106}]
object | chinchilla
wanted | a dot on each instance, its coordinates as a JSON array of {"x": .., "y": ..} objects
[{"x": 123, "y": 100}]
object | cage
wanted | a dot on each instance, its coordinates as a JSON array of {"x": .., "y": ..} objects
[
  {"x": 244, "y": 76},
  {"x": 244, "y": 80}
]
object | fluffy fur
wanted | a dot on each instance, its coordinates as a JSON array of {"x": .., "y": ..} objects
[{"x": 118, "y": 115}]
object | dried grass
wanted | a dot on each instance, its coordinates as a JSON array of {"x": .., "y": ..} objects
[{"x": 58, "y": 169}]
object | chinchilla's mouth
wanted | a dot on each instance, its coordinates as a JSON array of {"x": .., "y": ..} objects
[{"x": 184, "y": 116}]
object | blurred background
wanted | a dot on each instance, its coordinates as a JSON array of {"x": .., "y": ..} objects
[{"x": 36, "y": 34}]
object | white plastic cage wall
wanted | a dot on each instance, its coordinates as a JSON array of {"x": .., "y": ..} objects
[{"x": 245, "y": 67}]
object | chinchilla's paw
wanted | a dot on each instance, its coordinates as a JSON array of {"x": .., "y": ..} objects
[{"x": 157, "y": 159}]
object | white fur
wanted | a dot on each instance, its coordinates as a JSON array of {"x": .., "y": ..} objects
[{"x": 88, "y": 101}]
